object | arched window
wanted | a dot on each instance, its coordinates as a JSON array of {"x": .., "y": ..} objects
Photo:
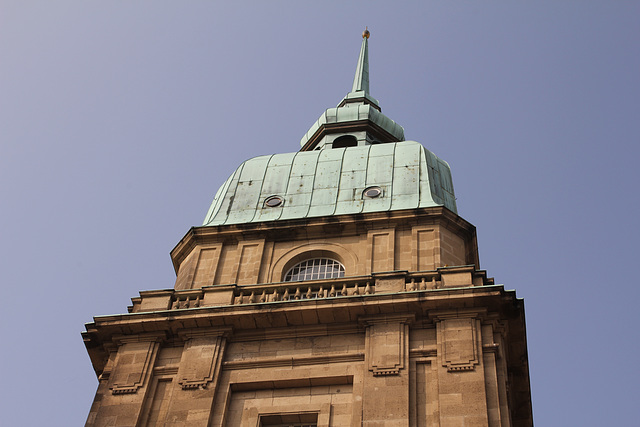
[
  {"x": 315, "y": 269},
  {"x": 345, "y": 141}
]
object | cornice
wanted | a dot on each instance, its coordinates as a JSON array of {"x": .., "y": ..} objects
[
  {"x": 353, "y": 223},
  {"x": 273, "y": 362},
  {"x": 355, "y": 125},
  {"x": 274, "y": 314},
  {"x": 361, "y": 99}
]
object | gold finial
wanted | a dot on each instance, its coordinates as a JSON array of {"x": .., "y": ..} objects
[{"x": 366, "y": 33}]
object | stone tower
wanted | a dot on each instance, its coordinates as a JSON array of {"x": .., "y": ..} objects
[{"x": 333, "y": 286}]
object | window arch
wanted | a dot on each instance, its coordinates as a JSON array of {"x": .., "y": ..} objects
[
  {"x": 345, "y": 141},
  {"x": 315, "y": 269}
]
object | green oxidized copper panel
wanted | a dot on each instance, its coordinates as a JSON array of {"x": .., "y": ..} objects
[
  {"x": 379, "y": 173},
  {"x": 352, "y": 113},
  {"x": 277, "y": 174},
  {"x": 276, "y": 180},
  {"x": 300, "y": 185},
  {"x": 386, "y": 123},
  {"x": 222, "y": 203},
  {"x": 434, "y": 178},
  {"x": 332, "y": 181},
  {"x": 347, "y": 114},
  {"x": 245, "y": 201},
  {"x": 380, "y": 164},
  {"x": 325, "y": 190},
  {"x": 361, "y": 78},
  {"x": 429, "y": 179},
  {"x": 406, "y": 176},
  {"x": 217, "y": 200},
  {"x": 447, "y": 185},
  {"x": 352, "y": 180}
]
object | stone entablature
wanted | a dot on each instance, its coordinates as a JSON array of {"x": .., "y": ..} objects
[
  {"x": 423, "y": 357},
  {"x": 425, "y": 345}
]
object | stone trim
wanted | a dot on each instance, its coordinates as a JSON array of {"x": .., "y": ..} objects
[
  {"x": 312, "y": 250},
  {"x": 201, "y": 358},
  {"x": 249, "y": 258},
  {"x": 252, "y": 416},
  {"x": 386, "y": 343},
  {"x": 381, "y": 250},
  {"x": 272, "y": 362},
  {"x": 317, "y": 227},
  {"x": 459, "y": 343},
  {"x": 127, "y": 376}
]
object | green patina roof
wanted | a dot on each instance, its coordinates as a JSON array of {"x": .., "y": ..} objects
[
  {"x": 353, "y": 113},
  {"x": 361, "y": 79},
  {"x": 332, "y": 181},
  {"x": 321, "y": 180},
  {"x": 357, "y": 104}
]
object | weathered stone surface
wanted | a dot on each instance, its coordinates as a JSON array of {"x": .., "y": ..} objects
[{"x": 401, "y": 340}]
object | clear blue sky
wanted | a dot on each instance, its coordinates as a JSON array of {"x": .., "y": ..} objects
[{"x": 120, "y": 119}]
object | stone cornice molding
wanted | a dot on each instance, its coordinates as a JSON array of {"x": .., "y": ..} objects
[
  {"x": 272, "y": 362},
  {"x": 187, "y": 334},
  {"x": 404, "y": 318},
  {"x": 217, "y": 316},
  {"x": 139, "y": 337},
  {"x": 299, "y": 331},
  {"x": 460, "y": 313},
  {"x": 331, "y": 314}
]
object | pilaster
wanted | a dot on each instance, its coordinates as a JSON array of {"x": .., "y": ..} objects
[
  {"x": 461, "y": 377},
  {"x": 197, "y": 377},
  {"x": 386, "y": 379},
  {"x": 124, "y": 385}
]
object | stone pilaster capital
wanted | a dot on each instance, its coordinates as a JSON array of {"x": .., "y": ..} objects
[
  {"x": 463, "y": 313},
  {"x": 404, "y": 318},
  {"x": 143, "y": 337},
  {"x": 187, "y": 334}
]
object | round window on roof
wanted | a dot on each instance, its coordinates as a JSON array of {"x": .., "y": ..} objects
[
  {"x": 315, "y": 269},
  {"x": 273, "y": 201},
  {"x": 372, "y": 192}
]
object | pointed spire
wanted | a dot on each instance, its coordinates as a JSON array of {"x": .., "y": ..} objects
[
  {"x": 360, "y": 90},
  {"x": 361, "y": 79}
]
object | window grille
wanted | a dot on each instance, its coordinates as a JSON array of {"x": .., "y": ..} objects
[{"x": 315, "y": 269}]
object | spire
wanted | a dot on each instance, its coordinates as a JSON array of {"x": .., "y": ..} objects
[
  {"x": 360, "y": 90},
  {"x": 361, "y": 79}
]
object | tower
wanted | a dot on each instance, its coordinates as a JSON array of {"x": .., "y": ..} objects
[{"x": 333, "y": 286}]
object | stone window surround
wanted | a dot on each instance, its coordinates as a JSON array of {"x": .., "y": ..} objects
[
  {"x": 312, "y": 250},
  {"x": 252, "y": 417}
]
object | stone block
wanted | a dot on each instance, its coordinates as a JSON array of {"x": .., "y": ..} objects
[
  {"x": 218, "y": 295},
  {"x": 389, "y": 283},
  {"x": 456, "y": 279},
  {"x": 155, "y": 300}
]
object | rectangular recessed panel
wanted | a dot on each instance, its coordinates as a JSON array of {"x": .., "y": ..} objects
[
  {"x": 425, "y": 250},
  {"x": 206, "y": 268},
  {"x": 249, "y": 263},
  {"x": 381, "y": 252}
]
